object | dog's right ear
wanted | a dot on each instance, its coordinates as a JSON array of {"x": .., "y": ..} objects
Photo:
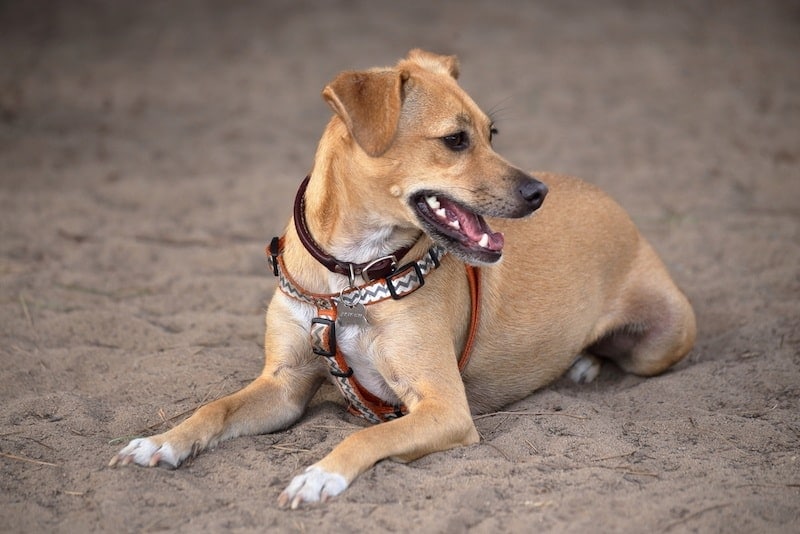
[
  {"x": 369, "y": 103},
  {"x": 434, "y": 62}
]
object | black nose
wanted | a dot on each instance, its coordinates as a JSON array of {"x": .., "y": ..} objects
[{"x": 533, "y": 191}]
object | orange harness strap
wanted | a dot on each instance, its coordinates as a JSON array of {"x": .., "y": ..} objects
[
  {"x": 474, "y": 279},
  {"x": 360, "y": 401}
]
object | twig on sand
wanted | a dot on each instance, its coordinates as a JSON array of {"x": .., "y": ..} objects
[
  {"x": 615, "y": 456},
  {"x": 329, "y": 427},
  {"x": 532, "y": 446},
  {"x": 26, "y": 312},
  {"x": 501, "y": 451},
  {"x": 288, "y": 448},
  {"x": 29, "y": 460},
  {"x": 621, "y": 468},
  {"x": 766, "y": 485},
  {"x": 543, "y": 414},
  {"x": 495, "y": 447},
  {"x": 691, "y": 516},
  {"x": 626, "y": 471},
  {"x": 165, "y": 419},
  {"x": 29, "y": 318}
]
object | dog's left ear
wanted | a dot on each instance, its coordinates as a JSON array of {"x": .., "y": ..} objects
[{"x": 369, "y": 104}]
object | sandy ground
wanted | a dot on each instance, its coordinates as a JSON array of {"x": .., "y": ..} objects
[{"x": 149, "y": 150}]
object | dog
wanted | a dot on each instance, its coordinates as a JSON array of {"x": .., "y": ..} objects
[{"x": 391, "y": 284}]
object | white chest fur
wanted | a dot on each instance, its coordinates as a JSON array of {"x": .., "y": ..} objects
[{"x": 357, "y": 344}]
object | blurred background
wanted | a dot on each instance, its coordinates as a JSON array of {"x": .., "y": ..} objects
[{"x": 149, "y": 150}]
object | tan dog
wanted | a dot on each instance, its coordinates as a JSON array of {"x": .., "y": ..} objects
[{"x": 406, "y": 168}]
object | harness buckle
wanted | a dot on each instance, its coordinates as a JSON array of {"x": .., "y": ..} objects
[
  {"x": 386, "y": 263},
  {"x": 274, "y": 250},
  {"x": 342, "y": 374},
  {"x": 409, "y": 279},
  {"x": 323, "y": 337}
]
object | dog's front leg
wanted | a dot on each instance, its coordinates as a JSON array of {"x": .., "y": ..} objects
[
  {"x": 259, "y": 408},
  {"x": 271, "y": 402},
  {"x": 440, "y": 419}
]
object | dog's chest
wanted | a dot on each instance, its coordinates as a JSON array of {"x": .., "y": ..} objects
[{"x": 357, "y": 345}]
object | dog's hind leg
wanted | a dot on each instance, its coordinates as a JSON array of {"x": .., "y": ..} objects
[
  {"x": 585, "y": 368},
  {"x": 654, "y": 325}
]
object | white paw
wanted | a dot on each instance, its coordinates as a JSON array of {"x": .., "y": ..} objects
[
  {"x": 584, "y": 369},
  {"x": 144, "y": 451},
  {"x": 315, "y": 485}
]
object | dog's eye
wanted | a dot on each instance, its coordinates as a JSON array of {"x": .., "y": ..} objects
[
  {"x": 457, "y": 141},
  {"x": 492, "y": 133}
]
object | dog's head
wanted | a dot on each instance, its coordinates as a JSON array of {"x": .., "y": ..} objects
[{"x": 428, "y": 150}]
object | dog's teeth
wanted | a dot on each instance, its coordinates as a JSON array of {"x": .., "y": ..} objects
[
  {"x": 433, "y": 202},
  {"x": 484, "y": 242},
  {"x": 442, "y": 213},
  {"x": 455, "y": 225}
]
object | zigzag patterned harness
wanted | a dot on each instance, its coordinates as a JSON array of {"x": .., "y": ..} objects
[{"x": 395, "y": 283}]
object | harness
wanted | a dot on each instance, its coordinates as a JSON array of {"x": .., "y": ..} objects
[{"x": 348, "y": 308}]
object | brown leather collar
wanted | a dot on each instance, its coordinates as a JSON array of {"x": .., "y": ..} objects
[{"x": 373, "y": 270}]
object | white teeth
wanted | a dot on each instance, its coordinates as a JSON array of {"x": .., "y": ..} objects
[
  {"x": 440, "y": 212},
  {"x": 484, "y": 242}
]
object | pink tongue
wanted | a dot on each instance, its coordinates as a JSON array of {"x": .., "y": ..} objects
[
  {"x": 496, "y": 241},
  {"x": 472, "y": 226}
]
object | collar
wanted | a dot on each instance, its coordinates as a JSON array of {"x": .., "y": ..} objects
[
  {"x": 372, "y": 270},
  {"x": 401, "y": 282}
]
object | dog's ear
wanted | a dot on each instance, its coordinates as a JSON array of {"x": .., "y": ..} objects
[
  {"x": 369, "y": 104},
  {"x": 434, "y": 62}
]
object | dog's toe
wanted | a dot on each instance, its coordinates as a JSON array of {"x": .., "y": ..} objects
[
  {"x": 584, "y": 369},
  {"x": 146, "y": 452},
  {"x": 314, "y": 485}
]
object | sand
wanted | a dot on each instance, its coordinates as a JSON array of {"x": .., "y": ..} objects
[{"x": 149, "y": 151}]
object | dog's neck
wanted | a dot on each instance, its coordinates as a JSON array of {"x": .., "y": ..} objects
[
  {"x": 337, "y": 210},
  {"x": 346, "y": 239}
]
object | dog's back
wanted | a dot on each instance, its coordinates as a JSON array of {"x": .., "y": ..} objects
[{"x": 576, "y": 277}]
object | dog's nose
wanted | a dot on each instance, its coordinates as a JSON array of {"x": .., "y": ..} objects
[{"x": 533, "y": 191}]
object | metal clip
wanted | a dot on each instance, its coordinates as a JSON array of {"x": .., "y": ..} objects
[
  {"x": 350, "y": 296},
  {"x": 365, "y": 271},
  {"x": 352, "y": 277}
]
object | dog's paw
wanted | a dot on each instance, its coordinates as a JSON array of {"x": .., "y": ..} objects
[
  {"x": 584, "y": 369},
  {"x": 146, "y": 452},
  {"x": 315, "y": 485}
]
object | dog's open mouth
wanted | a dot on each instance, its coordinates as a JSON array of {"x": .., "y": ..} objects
[{"x": 458, "y": 228}]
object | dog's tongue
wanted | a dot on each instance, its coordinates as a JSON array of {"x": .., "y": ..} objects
[{"x": 472, "y": 226}]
